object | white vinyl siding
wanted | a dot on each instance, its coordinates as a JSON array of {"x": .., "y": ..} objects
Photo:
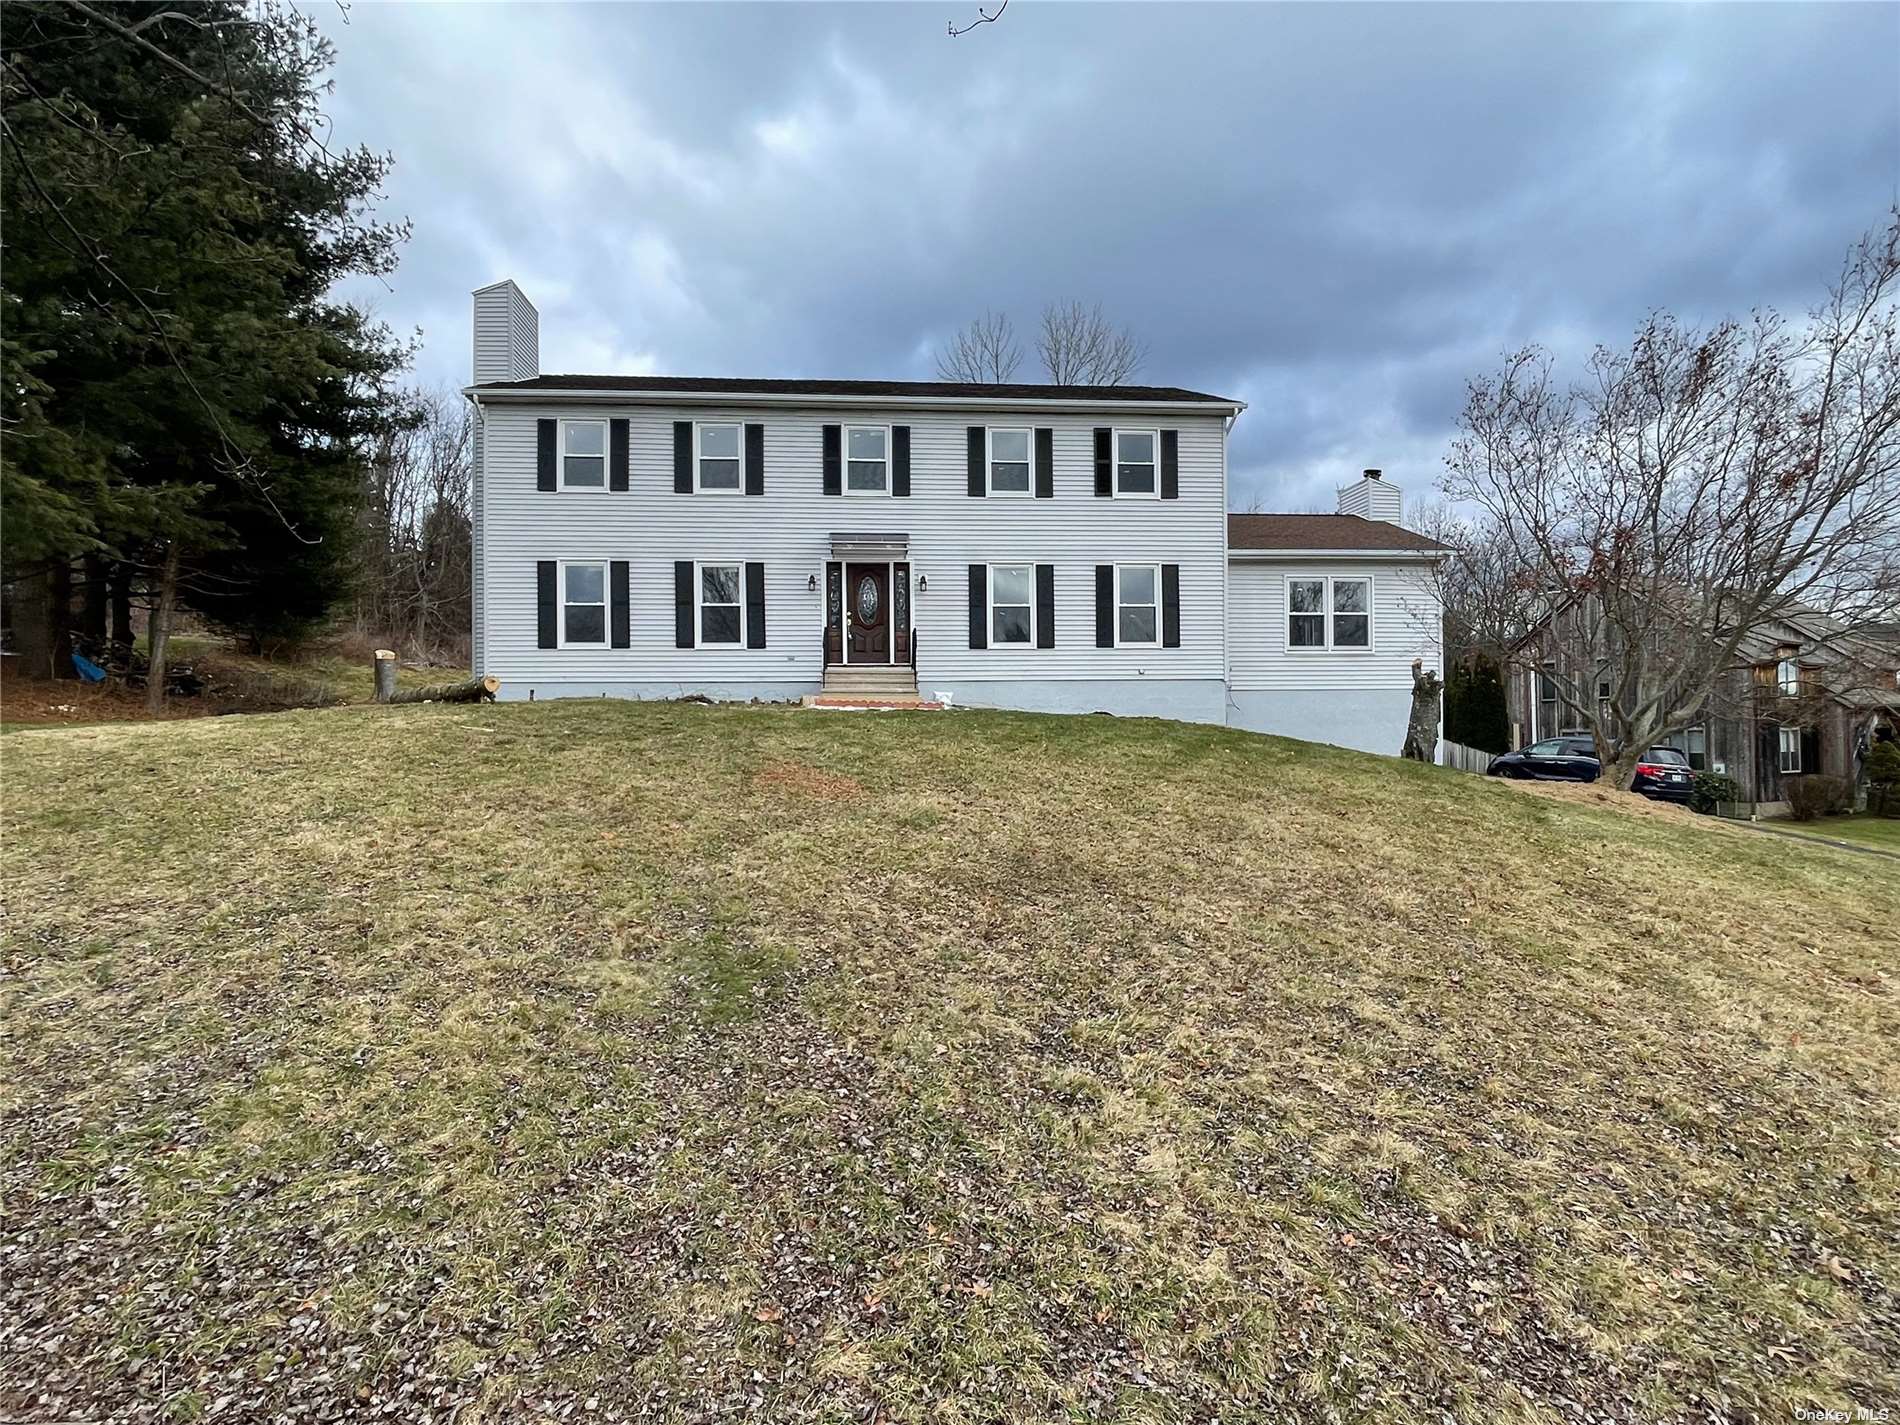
[
  {"x": 1405, "y": 614},
  {"x": 789, "y": 529}
]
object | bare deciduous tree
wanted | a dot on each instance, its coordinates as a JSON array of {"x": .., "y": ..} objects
[
  {"x": 1695, "y": 489},
  {"x": 413, "y": 580},
  {"x": 1081, "y": 347},
  {"x": 984, "y": 352},
  {"x": 1481, "y": 586}
]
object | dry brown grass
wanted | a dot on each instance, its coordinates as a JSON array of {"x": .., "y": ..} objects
[{"x": 505, "y": 1058}]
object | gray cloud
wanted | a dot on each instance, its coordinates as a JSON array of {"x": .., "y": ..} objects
[{"x": 1338, "y": 214}]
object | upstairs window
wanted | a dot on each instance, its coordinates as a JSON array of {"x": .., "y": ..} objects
[
  {"x": 721, "y": 618},
  {"x": 584, "y": 455},
  {"x": 1135, "y": 463},
  {"x": 1788, "y": 677},
  {"x": 1137, "y": 605},
  {"x": 867, "y": 460},
  {"x": 583, "y": 605},
  {"x": 1329, "y": 613},
  {"x": 717, "y": 462},
  {"x": 1012, "y": 604},
  {"x": 1009, "y": 462}
]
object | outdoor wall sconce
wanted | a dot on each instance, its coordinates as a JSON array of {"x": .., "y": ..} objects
[
  {"x": 811, "y": 584},
  {"x": 923, "y": 583}
]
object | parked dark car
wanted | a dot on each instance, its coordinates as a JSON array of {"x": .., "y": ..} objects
[
  {"x": 1663, "y": 773},
  {"x": 1555, "y": 759}
]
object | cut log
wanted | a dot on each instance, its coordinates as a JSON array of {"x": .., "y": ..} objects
[
  {"x": 385, "y": 674},
  {"x": 474, "y": 690},
  {"x": 1421, "y": 731}
]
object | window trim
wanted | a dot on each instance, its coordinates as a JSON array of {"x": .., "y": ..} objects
[
  {"x": 1327, "y": 615},
  {"x": 844, "y": 463},
  {"x": 699, "y": 603},
  {"x": 1121, "y": 642},
  {"x": 1115, "y": 463},
  {"x": 606, "y": 602},
  {"x": 1787, "y": 738},
  {"x": 699, "y": 488},
  {"x": 989, "y": 463},
  {"x": 990, "y": 596},
  {"x": 560, "y": 457}
]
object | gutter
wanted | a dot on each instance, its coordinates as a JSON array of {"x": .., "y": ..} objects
[
  {"x": 1263, "y": 556},
  {"x": 479, "y": 394}
]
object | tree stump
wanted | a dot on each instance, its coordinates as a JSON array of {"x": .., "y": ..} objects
[
  {"x": 474, "y": 690},
  {"x": 1421, "y": 732},
  {"x": 385, "y": 674}
]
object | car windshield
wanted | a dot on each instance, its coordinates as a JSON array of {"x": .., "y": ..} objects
[{"x": 1667, "y": 754}]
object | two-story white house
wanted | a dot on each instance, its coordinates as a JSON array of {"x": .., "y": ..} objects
[{"x": 1047, "y": 548}]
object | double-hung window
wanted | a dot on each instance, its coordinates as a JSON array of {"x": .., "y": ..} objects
[
  {"x": 1788, "y": 676},
  {"x": 1695, "y": 742},
  {"x": 867, "y": 460},
  {"x": 583, "y": 455},
  {"x": 721, "y": 611},
  {"x": 1329, "y": 613},
  {"x": 1135, "y": 463},
  {"x": 1012, "y": 604},
  {"x": 1137, "y": 605},
  {"x": 583, "y": 605},
  {"x": 716, "y": 462},
  {"x": 1010, "y": 470},
  {"x": 1789, "y": 748}
]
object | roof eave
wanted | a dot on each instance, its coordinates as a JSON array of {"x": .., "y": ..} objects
[
  {"x": 774, "y": 398},
  {"x": 1423, "y": 555}
]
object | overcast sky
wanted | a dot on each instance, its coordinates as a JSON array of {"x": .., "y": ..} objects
[{"x": 1337, "y": 214}]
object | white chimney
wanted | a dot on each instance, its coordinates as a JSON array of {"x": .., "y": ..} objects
[
  {"x": 1374, "y": 498},
  {"x": 507, "y": 334}
]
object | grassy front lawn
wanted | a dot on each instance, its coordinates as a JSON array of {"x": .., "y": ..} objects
[
  {"x": 829, "y": 1067},
  {"x": 1879, "y": 831}
]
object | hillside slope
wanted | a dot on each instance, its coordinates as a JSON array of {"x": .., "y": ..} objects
[{"x": 613, "y": 1058}]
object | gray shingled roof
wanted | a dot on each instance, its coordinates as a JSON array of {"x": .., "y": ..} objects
[
  {"x": 725, "y": 385},
  {"x": 1322, "y": 532}
]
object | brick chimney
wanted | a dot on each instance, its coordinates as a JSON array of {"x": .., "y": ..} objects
[
  {"x": 507, "y": 334},
  {"x": 1373, "y": 497}
]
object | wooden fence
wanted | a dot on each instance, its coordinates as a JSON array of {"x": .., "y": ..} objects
[{"x": 1465, "y": 759}]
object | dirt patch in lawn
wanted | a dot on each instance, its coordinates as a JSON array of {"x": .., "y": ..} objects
[
  {"x": 1594, "y": 794},
  {"x": 796, "y": 779}
]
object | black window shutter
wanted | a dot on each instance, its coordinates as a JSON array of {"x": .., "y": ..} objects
[
  {"x": 544, "y": 434},
  {"x": 1810, "y": 749},
  {"x": 1045, "y": 463},
  {"x": 1170, "y": 605},
  {"x": 755, "y": 606},
  {"x": 1045, "y": 606},
  {"x": 900, "y": 460},
  {"x": 1104, "y": 461},
  {"x": 834, "y": 441},
  {"x": 755, "y": 459},
  {"x": 682, "y": 603},
  {"x": 1104, "y": 605},
  {"x": 977, "y": 442},
  {"x": 622, "y": 620},
  {"x": 617, "y": 479},
  {"x": 545, "y": 613},
  {"x": 1170, "y": 464},
  {"x": 979, "y": 606},
  {"x": 683, "y": 460}
]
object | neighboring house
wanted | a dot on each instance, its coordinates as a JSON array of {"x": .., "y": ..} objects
[
  {"x": 1806, "y": 696},
  {"x": 1047, "y": 548}
]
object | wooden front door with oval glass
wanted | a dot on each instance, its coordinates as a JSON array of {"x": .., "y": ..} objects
[{"x": 867, "y": 610}]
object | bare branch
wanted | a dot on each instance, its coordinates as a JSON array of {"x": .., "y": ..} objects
[
  {"x": 1080, "y": 347},
  {"x": 985, "y": 352},
  {"x": 983, "y": 17}
]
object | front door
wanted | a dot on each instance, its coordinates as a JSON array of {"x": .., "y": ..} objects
[{"x": 867, "y": 611}]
